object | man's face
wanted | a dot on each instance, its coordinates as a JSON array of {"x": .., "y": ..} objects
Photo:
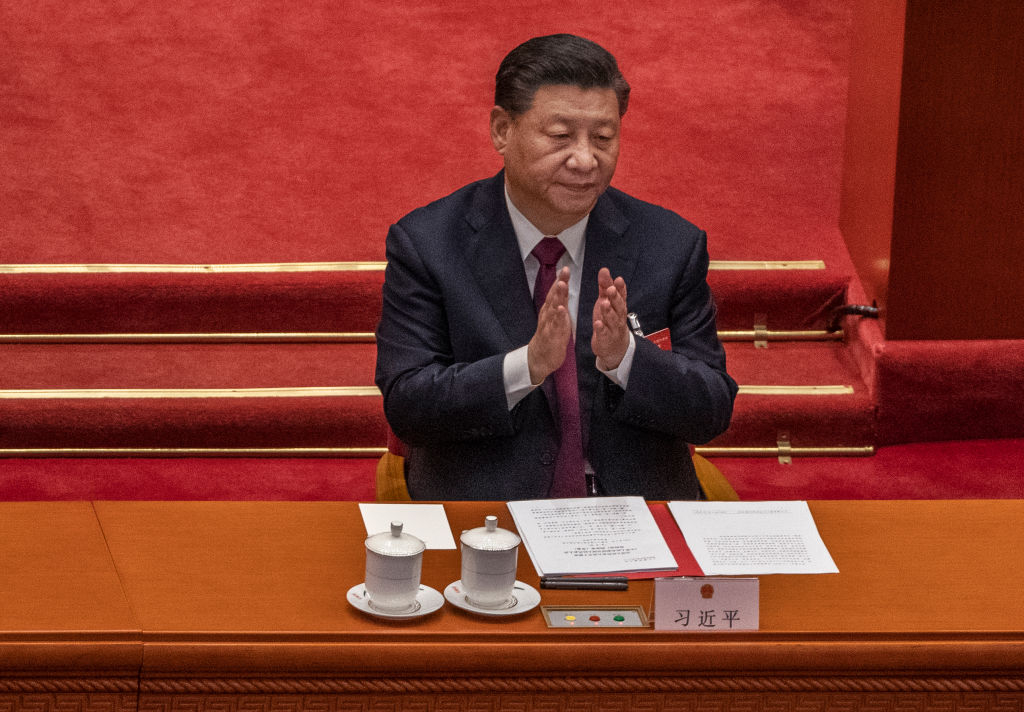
[{"x": 560, "y": 155}]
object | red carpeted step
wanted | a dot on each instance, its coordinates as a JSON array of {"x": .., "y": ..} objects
[
  {"x": 207, "y": 396},
  {"x": 322, "y": 396},
  {"x": 332, "y": 300},
  {"x": 49, "y": 479},
  {"x": 779, "y": 300},
  {"x": 940, "y": 390},
  {"x": 978, "y": 469},
  {"x": 288, "y": 365},
  {"x": 810, "y": 391}
]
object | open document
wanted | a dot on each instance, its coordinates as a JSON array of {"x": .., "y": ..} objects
[
  {"x": 591, "y": 535},
  {"x": 750, "y": 538}
]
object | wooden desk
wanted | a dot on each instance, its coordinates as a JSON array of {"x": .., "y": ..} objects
[{"x": 242, "y": 606}]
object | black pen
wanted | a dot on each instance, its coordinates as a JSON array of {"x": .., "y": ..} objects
[
  {"x": 596, "y": 579},
  {"x": 584, "y": 585}
]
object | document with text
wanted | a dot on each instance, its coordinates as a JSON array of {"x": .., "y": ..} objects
[
  {"x": 750, "y": 538},
  {"x": 591, "y": 535}
]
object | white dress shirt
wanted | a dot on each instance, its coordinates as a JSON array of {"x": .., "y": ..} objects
[{"x": 515, "y": 367}]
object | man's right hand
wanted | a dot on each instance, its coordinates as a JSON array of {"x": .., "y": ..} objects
[{"x": 547, "y": 348}]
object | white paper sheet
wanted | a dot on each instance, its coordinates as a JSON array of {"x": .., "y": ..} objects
[
  {"x": 745, "y": 538},
  {"x": 426, "y": 521},
  {"x": 591, "y": 535}
]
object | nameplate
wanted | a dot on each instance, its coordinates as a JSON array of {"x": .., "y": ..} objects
[{"x": 706, "y": 605}]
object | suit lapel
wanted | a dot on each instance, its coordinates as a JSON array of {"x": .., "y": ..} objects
[
  {"x": 606, "y": 247},
  {"x": 493, "y": 256}
]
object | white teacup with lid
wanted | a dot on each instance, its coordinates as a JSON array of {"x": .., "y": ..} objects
[
  {"x": 489, "y": 558},
  {"x": 394, "y": 561}
]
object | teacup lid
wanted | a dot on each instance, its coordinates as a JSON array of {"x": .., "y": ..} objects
[
  {"x": 489, "y": 537},
  {"x": 395, "y": 543}
]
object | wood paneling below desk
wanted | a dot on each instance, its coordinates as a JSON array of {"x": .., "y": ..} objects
[{"x": 241, "y": 606}]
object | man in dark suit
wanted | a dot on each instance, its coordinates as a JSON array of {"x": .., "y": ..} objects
[{"x": 472, "y": 342}]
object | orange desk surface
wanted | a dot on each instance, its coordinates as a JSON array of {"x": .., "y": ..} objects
[{"x": 224, "y": 605}]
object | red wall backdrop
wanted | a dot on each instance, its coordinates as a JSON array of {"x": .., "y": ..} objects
[
  {"x": 872, "y": 126},
  {"x": 934, "y": 221}
]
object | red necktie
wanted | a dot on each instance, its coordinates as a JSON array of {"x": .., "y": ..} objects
[{"x": 569, "y": 478}]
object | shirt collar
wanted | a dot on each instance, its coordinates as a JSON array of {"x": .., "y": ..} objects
[{"x": 529, "y": 236}]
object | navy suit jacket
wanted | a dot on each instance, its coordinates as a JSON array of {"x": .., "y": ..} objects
[{"x": 456, "y": 300}]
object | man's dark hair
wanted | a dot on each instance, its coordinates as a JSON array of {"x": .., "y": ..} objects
[{"x": 556, "y": 59}]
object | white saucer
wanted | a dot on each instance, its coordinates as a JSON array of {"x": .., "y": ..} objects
[
  {"x": 427, "y": 601},
  {"x": 524, "y": 598}
]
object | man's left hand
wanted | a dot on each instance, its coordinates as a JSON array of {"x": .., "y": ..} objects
[{"x": 611, "y": 332}]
